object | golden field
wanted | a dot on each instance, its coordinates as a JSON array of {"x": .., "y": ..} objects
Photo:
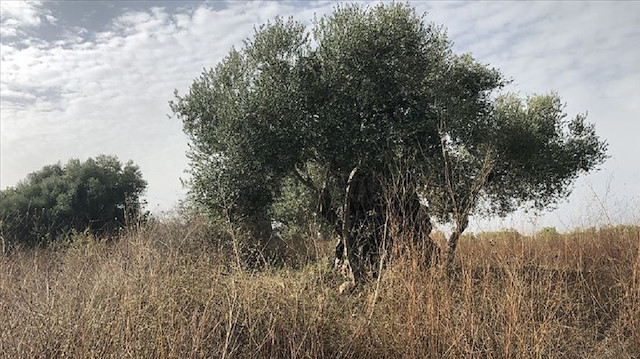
[{"x": 171, "y": 289}]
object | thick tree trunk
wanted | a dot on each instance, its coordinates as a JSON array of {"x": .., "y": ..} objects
[
  {"x": 376, "y": 219},
  {"x": 412, "y": 228}
]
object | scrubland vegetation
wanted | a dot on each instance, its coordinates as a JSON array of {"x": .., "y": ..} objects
[
  {"x": 171, "y": 289},
  {"x": 367, "y": 128}
]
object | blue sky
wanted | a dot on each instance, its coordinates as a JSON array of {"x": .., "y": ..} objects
[{"x": 81, "y": 78}]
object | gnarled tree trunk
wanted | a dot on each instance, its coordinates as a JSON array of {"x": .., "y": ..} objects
[{"x": 376, "y": 219}]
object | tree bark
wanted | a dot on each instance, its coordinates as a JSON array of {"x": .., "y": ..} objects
[
  {"x": 344, "y": 248},
  {"x": 452, "y": 242},
  {"x": 376, "y": 219}
]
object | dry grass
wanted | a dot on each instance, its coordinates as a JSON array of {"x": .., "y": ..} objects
[{"x": 169, "y": 291}]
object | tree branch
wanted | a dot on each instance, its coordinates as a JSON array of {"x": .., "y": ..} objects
[
  {"x": 305, "y": 180},
  {"x": 447, "y": 171}
]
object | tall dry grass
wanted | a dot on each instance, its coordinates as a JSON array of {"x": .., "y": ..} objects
[{"x": 171, "y": 290}]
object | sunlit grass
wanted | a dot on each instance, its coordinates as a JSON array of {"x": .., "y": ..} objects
[{"x": 172, "y": 290}]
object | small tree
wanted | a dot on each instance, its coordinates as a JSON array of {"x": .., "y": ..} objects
[
  {"x": 377, "y": 95},
  {"x": 98, "y": 194}
]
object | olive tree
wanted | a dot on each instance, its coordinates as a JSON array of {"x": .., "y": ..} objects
[{"x": 367, "y": 96}]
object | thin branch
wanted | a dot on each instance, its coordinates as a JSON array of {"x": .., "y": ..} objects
[
  {"x": 345, "y": 212},
  {"x": 305, "y": 180},
  {"x": 380, "y": 267},
  {"x": 479, "y": 182},
  {"x": 447, "y": 170}
]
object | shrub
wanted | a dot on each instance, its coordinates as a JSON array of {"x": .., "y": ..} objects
[{"x": 99, "y": 195}]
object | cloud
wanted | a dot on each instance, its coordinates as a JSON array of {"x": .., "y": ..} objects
[
  {"x": 68, "y": 99},
  {"x": 19, "y": 16},
  {"x": 582, "y": 50}
]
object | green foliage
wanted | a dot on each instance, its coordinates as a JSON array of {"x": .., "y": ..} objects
[
  {"x": 97, "y": 195},
  {"x": 504, "y": 234},
  {"x": 548, "y": 233},
  {"x": 372, "y": 88}
]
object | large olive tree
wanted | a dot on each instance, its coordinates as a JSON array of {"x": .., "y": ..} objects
[{"x": 368, "y": 96}]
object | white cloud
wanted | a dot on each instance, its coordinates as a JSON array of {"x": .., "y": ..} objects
[
  {"x": 21, "y": 12},
  {"x": 111, "y": 95},
  {"x": 20, "y": 15},
  {"x": 585, "y": 52}
]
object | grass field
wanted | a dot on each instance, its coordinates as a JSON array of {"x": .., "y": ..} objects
[{"x": 170, "y": 290}]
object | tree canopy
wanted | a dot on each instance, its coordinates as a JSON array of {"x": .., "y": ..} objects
[
  {"x": 98, "y": 195},
  {"x": 367, "y": 95}
]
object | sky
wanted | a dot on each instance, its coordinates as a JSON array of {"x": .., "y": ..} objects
[{"x": 82, "y": 78}]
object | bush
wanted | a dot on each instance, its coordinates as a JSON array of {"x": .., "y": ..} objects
[{"x": 98, "y": 195}]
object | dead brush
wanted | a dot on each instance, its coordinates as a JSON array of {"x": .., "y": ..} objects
[{"x": 172, "y": 290}]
